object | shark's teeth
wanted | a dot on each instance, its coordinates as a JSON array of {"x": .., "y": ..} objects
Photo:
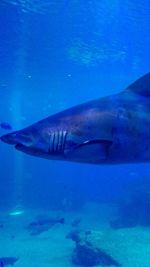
[{"x": 57, "y": 142}]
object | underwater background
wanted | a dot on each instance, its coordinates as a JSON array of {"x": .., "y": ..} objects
[{"x": 55, "y": 54}]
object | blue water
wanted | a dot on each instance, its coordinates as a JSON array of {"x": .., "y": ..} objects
[{"x": 53, "y": 55}]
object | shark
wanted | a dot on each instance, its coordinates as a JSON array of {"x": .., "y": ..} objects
[{"x": 113, "y": 129}]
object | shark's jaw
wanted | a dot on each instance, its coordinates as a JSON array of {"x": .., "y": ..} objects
[{"x": 21, "y": 147}]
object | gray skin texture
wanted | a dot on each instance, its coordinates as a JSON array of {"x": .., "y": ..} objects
[{"x": 110, "y": 130}]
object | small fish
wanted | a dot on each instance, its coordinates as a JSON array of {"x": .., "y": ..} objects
[
  {"x": 4, "y": 261},
  {"x": 41, "y": 224},
  {"x": 5, "y": 126}
]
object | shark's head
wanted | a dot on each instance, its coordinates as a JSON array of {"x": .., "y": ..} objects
[
  {"x": 52, "y": 140},
  {"x": 47, "y": 139},
  {"x": 39, "y": 140}
]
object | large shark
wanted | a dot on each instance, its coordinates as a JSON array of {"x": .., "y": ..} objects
[{"x": 110, "y": 130}]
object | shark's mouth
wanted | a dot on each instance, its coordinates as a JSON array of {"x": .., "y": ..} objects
[
  {"x": 28, "y": 150},
  {"x": 20, "y": 147}
]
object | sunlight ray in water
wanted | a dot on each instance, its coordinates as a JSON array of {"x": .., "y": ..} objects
[
  {"x": 17, "y": 100},
  {"x": 35, "y": 6}
]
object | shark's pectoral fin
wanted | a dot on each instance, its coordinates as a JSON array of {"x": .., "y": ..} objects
[
  {"x": 97, "y": 150},
  {"x": 141, "y": 86}
]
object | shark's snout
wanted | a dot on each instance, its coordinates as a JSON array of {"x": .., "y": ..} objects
[
  {"x": 9, "y": 139},
  {"x": 16, "y": 138}
]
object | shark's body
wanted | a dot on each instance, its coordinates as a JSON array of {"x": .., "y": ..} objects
[{"x": 110, "y": 130}]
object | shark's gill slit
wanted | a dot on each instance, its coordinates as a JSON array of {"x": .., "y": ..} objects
[
  {"x": 57, "y": 141},
  {"x": 60, "y": 140},
  {"x": 64, "y": 140},
  {"x": 53, "y": 142},
  {"x": 51, "y": 137}
]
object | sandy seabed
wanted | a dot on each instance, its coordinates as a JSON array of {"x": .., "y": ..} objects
[{"x": 53, "y": 249}]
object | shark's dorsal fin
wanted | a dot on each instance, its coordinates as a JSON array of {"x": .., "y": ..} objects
[{"x": 141, "y": 86}]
